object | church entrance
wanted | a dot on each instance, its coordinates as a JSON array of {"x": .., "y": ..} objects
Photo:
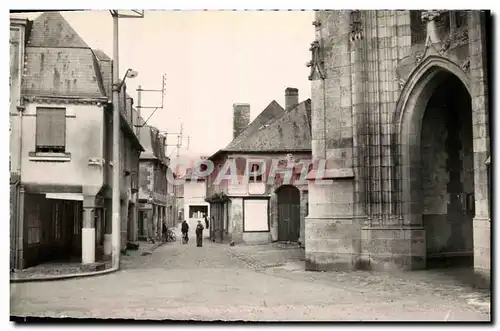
[{"x": 447, "y": 174}]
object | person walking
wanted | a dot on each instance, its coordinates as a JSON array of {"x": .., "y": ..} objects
[
  {"x": 199, "y": 234},
  {"x": 185, "y": 230},
  {"x": 206, "y": 222},
  {"x": 164, "y": 231}
]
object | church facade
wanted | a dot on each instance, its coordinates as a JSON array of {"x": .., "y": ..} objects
[{"x": 400, "y": 112}]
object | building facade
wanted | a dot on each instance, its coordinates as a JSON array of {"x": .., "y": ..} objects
[
  {"x": 61, "y": 146},
  {"x": 172, "y": 217},
  {"x": 400, "y": 112},
  {"x": 194, "y": 194},
  {"x": 270, "y": 206},
  {"x": 153, "y": 198}
]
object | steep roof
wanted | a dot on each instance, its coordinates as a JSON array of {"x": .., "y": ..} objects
[
  {"x": 58, "y": 62},
  {"x": 275, "y": 130},
  {"x": 153, "y": 144},
  {"x": 106, "y": 69},
  {"x": 289, "y": 132},
  {"x": 50, "y": 29},
  {"x": 272, "y": 111}
]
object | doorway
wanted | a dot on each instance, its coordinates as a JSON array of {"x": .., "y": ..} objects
[
  {"x": 288, "y": 213},
  {"x": 447, "y": 175}
]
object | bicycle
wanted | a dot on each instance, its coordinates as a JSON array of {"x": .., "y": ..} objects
[{"x": 170, "y": 236}]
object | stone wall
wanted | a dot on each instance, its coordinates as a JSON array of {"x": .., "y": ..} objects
[
  {"x": 372, "y": 74},
  {"x": 236, "y": 219}
]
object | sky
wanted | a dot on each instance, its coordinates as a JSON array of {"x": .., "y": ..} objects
[{"x": 211, "y": 59}]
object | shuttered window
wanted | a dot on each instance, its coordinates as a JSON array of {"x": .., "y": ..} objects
[{"x": 50, "y": 130}]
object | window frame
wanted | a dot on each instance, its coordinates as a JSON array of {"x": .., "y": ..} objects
[
  {"x": 49, "y": 149},
  {"x": 253, "y": 178}
]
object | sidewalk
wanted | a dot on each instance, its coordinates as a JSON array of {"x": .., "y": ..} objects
[{"x": 59, "y": 270}]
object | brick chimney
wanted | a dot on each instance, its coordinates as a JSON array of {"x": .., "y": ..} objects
[
  {"x": 291, "y": 97},
  {"x": 241, "y": 118}
]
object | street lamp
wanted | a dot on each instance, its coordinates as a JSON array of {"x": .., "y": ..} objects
[
  {"x": 117, "y": 86},
  {"x": 128, "y": 74}
]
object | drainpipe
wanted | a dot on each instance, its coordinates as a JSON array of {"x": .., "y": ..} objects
[
  {"x": 19, "y": 101},
  {"x": 19, "y": 224}
]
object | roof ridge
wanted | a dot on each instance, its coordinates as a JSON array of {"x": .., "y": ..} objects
[
  {"x": 268, "y": 108},
  {"x": 51, "y": 29}
]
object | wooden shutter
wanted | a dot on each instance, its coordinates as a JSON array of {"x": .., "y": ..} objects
[{"x": 51, "y": 127}]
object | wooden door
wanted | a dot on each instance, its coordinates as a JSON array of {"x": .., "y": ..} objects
[{"x": 288, "y": 213}]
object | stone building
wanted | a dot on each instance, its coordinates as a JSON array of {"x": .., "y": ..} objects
[
  {"x": 153, "y": 199},
  {"x": 400, "y": 111},
  {"x": 61, "y": 146},
  {"x": 261, "y": 208}
]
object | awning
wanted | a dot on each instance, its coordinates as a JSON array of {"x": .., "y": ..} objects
[{"x": 65, "y": 196}]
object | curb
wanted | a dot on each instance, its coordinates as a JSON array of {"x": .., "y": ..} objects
[
  {"x": 63, "y": 277},
  {"x": 74, "y": 275}
]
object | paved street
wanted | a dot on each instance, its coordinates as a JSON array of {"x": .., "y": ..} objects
[{"x": 219, "y": 282}]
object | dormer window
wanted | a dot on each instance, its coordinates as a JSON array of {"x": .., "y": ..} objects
[
  {"x": 255, "y": 168},
  {"x": 203, "y": 167}
]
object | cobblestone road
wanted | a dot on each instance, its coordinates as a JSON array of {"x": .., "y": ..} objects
[{"x": 218, "y": 282}]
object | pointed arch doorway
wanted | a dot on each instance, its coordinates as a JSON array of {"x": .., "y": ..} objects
[{"x": 438, "y": 165}]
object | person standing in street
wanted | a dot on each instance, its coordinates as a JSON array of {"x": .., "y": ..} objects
[
  {"x": 206, "y": 222},
  {"x": 199, "y": 234},
  {"x": 185, "y": 230}
]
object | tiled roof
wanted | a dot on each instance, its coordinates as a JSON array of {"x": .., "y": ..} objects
[
  {"x": 101, "y": 56},
  {"x": 106, "y": 68},
  {"x": 153, "y": 144},
  {"x": 289, "y": 132},
  {"x": 272, "y": 111},
  {"x": 58, "y": 62},
  {"x": 50, "y": 29}
]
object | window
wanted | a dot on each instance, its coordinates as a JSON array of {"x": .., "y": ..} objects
[
  {"x": 34, "y": 225},
  {"x": 256, "y": 213},
  {"x": 198, "y": 211},
  {"x": 50, "y": 130},
  {"x": 255, "y": 168},
  {"x": 417, "y": 27},
  {"x": 460, "y": 18}
]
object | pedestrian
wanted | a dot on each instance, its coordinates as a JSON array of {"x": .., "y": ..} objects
[
  {"x": 185, "y": 230},
  {"x": 199, "y": 234},
  {"x": 164, "y": 231},
  {"x": 206, "y": 222}
]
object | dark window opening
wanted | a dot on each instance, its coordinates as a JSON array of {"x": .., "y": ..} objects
[
  {"x": 255, "y": 169},
  {"x": 417, "y": 27},
  {"x": 460, "y": 18}
]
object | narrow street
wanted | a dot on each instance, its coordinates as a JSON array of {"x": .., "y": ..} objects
[{"x": 260, "y": 283}]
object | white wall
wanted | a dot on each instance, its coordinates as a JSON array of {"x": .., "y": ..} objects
[{"x": 194, "y": 194}]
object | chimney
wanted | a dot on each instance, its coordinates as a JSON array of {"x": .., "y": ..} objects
[
  {"x": 291, "y": 97},
  {"x": 241, "y": 118}
]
